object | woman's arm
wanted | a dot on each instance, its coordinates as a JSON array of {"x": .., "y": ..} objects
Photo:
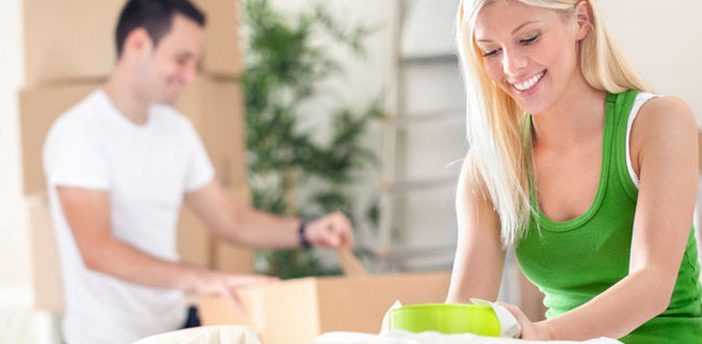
[
  {"x": 664, "y": 143},
  {"x": 477, "y": 268}
]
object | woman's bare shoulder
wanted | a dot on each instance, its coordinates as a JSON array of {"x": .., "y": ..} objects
[
  {"x": 663, "y": 116},
  {"x": 662, "y": 123}
]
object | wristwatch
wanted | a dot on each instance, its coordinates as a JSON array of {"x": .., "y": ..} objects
[{"x": 301, "y": 239}]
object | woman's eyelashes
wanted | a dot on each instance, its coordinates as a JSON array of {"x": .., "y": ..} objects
[
  {"x": 531, "y": 39},
  {"x": 490, "y": 53},
  {"x": 528, "y": 40}
]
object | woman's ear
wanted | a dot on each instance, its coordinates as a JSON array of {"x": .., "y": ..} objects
[{"x": 583, "y": 17}]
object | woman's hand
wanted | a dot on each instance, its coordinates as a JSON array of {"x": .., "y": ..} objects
[{"x": 530, "y": 330}]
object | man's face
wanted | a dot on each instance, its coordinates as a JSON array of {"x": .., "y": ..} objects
[{"x": 173, "y": 63}]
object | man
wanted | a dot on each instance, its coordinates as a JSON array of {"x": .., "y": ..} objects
[{"x": 120, "y": 164}]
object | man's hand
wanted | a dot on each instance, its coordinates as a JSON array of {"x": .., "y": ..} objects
[
  {"x": 333, "y": 230},
  {"x": 226, "y": 285}
]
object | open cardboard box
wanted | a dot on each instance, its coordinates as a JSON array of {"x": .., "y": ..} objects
[{"x": 296, "y": 311}]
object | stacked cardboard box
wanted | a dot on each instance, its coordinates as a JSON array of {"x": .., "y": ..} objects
[{"x": 69, "y": 50}]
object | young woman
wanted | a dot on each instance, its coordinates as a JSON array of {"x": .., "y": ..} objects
[{"x": 591, "y": 177}]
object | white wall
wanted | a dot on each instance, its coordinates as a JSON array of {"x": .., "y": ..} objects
[
  {"x": 14, "y": 242},
  {"x": 364, "y": 78},
  {"x": 17, "y": 321},
  {"x": 663, "y": 40}
]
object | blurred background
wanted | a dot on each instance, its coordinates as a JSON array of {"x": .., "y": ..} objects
[{"x": 371, "y": 122}]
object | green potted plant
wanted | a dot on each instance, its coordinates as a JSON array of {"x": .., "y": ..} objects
[{"x": 290, "y": 171}]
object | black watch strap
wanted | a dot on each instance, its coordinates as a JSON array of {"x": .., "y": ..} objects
[{"x": 301, "y": 239}]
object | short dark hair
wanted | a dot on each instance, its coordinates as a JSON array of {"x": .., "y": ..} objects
[{"x": 155, "y": 16}]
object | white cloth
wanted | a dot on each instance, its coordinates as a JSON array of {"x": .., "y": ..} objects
[
  {"x": 222, "y": 334},
  {"x": 509, "y": 326},
  {"x": 400, "y": 337},
  {"x": 146, "y": 169}
]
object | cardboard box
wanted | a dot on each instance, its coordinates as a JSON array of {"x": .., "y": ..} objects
[
  {"x": 214, "y": 107},
  {"x": 74, "y": 39},
  {"x": 195, "y": 244},
  {"x": 296, "y": 311},
  {"x": 39, "y": 107},
  {"x": 223, "y": 51}
]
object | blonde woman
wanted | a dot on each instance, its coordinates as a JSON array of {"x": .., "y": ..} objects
[{"x": 589, "y": 175}]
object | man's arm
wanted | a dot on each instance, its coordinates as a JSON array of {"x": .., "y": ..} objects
[
  {"x": 252, "y": 228},
  {"x": 88, "y": 215}
]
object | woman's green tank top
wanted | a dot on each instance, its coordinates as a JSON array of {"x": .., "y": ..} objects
[{"x": 575, "y": 260}]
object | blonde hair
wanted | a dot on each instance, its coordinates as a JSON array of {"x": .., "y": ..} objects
[{"x": 498, "y": 131}]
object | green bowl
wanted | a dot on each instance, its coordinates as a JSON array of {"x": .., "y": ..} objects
[{"x": 446, "y": 318}]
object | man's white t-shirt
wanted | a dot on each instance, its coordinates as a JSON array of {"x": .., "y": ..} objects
[{"x": 146, "y": 169}]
